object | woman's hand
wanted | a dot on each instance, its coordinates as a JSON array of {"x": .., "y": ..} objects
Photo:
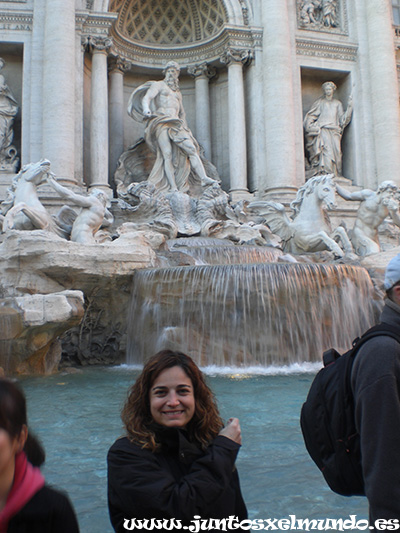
[{"x": 232, "y": 430}]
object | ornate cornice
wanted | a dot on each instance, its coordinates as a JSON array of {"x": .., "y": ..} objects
[
  {"x": 242, "y": 38},
  {"x": 16, "y": 21},
  {"x": 96, "y": 23},
  {"x": 343, "y": 52}
]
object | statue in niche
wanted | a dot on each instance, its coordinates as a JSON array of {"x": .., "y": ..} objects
[
  {"x": 93, "y": 215},
  {"x": 8, "y": 111},
  {"x": 167, "y": 170},
  {"x": 324, "y": 125},
  {"x": 374, "y": 208},
  {"x": 179, "y": 165}
]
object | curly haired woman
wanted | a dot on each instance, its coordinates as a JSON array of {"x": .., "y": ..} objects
[{"x": 177, "y": 460}]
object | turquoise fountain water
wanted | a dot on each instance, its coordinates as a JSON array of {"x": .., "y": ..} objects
[
  {"x": 258, "y": 329},
  {"x": 77, "y": 418}
]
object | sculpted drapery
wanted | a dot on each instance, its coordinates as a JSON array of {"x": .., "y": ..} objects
[{"x": 323, "y": 125}]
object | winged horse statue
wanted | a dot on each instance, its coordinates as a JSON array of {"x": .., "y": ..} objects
[{"x": 308, "y": 229}]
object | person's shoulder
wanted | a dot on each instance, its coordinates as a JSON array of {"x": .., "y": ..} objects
[
  {"x": 124, "y": 445},
  {"x": 379, "y": 356},
  {"x": 50, "y": 503},
  {"x": 124, "y": 452},
  {"x": 51, "y": 497}
]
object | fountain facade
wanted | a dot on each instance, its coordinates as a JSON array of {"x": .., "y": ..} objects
[{"x": 196, "y": 141}]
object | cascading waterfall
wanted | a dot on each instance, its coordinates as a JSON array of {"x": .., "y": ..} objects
[
  {"x": 248, "y": 314},
  {"x": 227, "y": 255}
]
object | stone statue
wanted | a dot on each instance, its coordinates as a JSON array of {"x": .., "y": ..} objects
[
  {"x": 219, "y": 219},
  {"x": 323, "y": 125},
  {"x": 319, "y": 13},
  {"x": 8, "y": 111},
  {"x": 178, "y": 161},
  {"x": 309, "y": 228},
  {"x": 308, "y": 11},
  {"x": 93, "y": 215},
  {"x": 150, "y": 208},
  {"x": 329, "y": 15},
  {"x": 22, "y": 208},
  {"x": 374, "y": 208}
]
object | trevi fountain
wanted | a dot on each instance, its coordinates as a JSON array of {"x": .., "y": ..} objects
[
  {"x": 216, "y": 176},
  {"x": 173, "y": 261}
]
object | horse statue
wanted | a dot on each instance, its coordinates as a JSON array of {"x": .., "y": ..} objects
[
  {"x": 22, "y": 210},
  {"x": 309, "y": 229}
]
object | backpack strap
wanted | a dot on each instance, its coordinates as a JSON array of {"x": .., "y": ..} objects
[
  {"x": 379, "y": 329},
  {"x": 375, "y": 331}
]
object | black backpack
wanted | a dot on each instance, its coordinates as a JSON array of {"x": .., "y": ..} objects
[{"x": 327, "y": 418}]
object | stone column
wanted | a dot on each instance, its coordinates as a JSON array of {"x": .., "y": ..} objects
[
  {"x": 80, "y": 46},
  {"x": 279, "y": 110},
  {"x": 58, "y": 124},
  {"x": 384, "y": 95},
  {"x": 116, "y": 111},
  {"x": 202, "y": 74},
  {"x": 32, "y": 87},
  {"x": 235, "y": 59},
  {"x": 99, "y": 47}
]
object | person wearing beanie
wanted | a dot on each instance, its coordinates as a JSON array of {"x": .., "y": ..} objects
[{"x": 376, "y": 387}]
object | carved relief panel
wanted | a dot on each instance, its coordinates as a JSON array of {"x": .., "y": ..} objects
[{"x": 322, "y": 15}]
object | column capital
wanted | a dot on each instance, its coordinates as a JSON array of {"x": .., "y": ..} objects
[
  {"x": 237, "y": 55},
  {"x": 119, "y": 64},
  {"x": 202, "y": 70},
  {"x": 96, "y": 43}
]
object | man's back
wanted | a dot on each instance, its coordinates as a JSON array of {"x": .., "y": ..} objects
[{"x": 376, "y": 389}]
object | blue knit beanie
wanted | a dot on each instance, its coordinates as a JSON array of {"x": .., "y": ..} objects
[{"x": 392, "y": 273}]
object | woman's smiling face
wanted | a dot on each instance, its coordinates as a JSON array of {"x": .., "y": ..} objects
[{"x": 172, "y": 402}]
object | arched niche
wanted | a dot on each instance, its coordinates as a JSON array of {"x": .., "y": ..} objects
[
  {"x": 148, "y": 33},
  {"x": 235, "y": 9}
]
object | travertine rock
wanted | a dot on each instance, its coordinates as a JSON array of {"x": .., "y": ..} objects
[
  {"x": 30, "y": 327},
  {"x": 37, "y": 264}
]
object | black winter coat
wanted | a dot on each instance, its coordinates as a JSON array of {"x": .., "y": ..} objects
[
  {"x": 180, "y": 481},
  {"x": 48, "y": 511},
  {"x": 376, "y": 388}
]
